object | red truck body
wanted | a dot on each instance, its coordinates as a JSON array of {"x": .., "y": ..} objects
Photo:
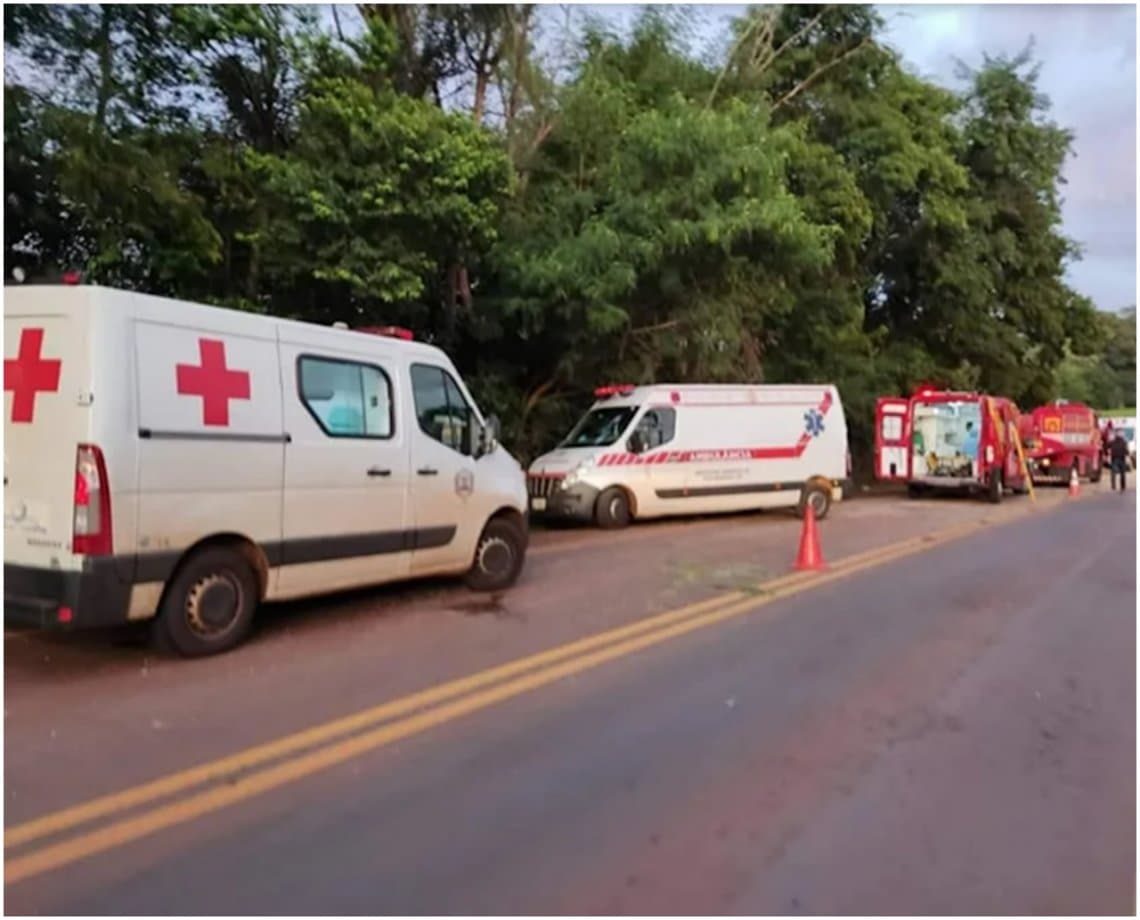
[
  {"x": 1060, "y": 437},
  {"x": 945, "y": 440}
]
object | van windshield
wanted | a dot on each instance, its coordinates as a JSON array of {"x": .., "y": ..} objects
[{"x": 600, "y": 427}]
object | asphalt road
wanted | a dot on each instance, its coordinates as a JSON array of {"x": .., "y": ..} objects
[{"x": 943, "y": 727}]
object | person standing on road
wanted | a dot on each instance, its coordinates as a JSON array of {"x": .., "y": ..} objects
[{"x": 1118, "y": 455}]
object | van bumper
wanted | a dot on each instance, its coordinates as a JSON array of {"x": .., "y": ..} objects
[
  {"x": 573, "y": 504},
  {"x": 95, "y": 595}
]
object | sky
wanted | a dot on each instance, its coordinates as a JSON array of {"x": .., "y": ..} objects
[
  {"x": 1088, "y": 70},
  {"x": 1087, "y": 56}
]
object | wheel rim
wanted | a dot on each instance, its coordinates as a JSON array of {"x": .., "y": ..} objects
[
  {"x": 496, "y": 557},
  {"x": 617, "y": 509},
  {"x": 818, "y": 502},
  {"x": 214, "y": 604}
]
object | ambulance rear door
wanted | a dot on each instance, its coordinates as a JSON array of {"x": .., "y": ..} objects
[{"x": 892, "y": 438}]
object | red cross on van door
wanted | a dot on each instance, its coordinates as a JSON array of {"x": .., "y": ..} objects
[
  {"x": 215, "y": 383},
  {"x": 28, "y": 374}
]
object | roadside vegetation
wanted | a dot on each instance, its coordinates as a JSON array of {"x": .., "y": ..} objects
[{"x": 561, "y": 206}]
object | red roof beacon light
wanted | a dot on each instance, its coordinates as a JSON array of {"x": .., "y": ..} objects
[
  {"x": 614, "y": 389},
  {"x": 392, "y": 332},
  {"x": 71, "y": 278}
]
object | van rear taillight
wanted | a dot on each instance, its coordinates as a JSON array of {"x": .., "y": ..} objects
[{"x": 91, "y": 530}]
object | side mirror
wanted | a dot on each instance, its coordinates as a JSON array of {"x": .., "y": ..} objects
[
  {"x": 485, "y": 436},
  {"x": 636, "y": 443}
]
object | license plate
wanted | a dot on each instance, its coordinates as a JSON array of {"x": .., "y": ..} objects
[{"x": 538, "y": 504}]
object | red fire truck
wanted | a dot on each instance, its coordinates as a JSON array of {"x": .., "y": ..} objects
[
  {"x": 1060, "y": 437},
  {"x": 944, "y": 440}
]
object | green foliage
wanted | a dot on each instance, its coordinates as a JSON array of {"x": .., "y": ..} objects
[
  {"x": 1107, "y": 377},
  {"x": 797, "y": 206}
]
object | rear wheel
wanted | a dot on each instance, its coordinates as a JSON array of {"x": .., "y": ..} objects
[
  {"x": 818, "y": 496},
  {"x": 914, "y": 490},
  {"x": 611, "y": 510},
  {"x": 498, "y": 556},
  {"x": 208, "y": 606},
  {"x": 995, "y": 489}
]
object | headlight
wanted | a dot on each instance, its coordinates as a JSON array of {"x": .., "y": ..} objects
[{"x": 572, "y": 478}]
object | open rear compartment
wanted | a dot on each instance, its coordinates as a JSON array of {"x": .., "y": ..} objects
[{"x": 946, "y": 440}]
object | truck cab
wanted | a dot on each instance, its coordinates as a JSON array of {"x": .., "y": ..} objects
[{"x": 1061, "y": 437}]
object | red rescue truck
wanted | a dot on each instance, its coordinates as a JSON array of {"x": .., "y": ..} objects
[
  {"x": 944, "y": 440},
  {"x": 1061, "y": 437}
]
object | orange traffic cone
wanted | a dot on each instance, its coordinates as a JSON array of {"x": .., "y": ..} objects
[
  {"x": 810, "y": 556},
  {"x": 1074, "y": 484}
]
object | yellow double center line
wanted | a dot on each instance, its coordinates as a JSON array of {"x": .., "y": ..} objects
[{"x": 259, "y": 769}]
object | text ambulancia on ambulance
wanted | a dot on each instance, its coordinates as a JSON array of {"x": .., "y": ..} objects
[
  {"x": 671, "y": 449},
  {"x": 172, "y": 459}
]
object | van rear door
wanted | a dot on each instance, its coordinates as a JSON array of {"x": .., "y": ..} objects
[
  {"x": 47, "y": 416},
  {"x": 892, "y": 438}
]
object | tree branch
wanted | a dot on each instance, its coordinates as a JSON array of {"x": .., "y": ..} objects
[
  {"x": 535, "y": 396},
  {"x": 819, "y": 72},
  {"x": 800, "y": 33},
  {"x": 658, "y": 327}
]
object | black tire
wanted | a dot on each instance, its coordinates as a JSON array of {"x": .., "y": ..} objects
[
  {"x": 1096, "y": 472},
  {"x": 499, "y": 556},
  {"x": 915, "y": 490},
  {"x": 819, "y": 496},
  {"x": 995, "y": 488},
  {"x": 209, "y": 604},
  {"x": 611, "y": 510}
]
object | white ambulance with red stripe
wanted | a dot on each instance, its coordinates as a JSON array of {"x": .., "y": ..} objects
[
  {"x": 168, "y": 458},
  {"x": 675, "y": 449}
]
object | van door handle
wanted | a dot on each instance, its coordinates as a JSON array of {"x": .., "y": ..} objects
[
  {"x": 376, "y": 471},
  {"x": 426, "y": 471}
]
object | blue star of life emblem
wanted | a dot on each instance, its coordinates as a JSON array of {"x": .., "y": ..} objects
[{"x": 813, "y": 422}]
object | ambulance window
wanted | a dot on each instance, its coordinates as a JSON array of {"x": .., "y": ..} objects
[
  {"x": 892, "y": 427},
  {"x": 657, "y": 426},
  {"x": 347, "y": 399},
  {"x": 443, "y": 412}
]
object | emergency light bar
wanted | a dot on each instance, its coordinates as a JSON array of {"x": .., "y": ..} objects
[
  {"x": 392, "y": 332},
  {"x": 614, "y": 389}
]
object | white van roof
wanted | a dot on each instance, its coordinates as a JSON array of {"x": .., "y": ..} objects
[
  {"x": 705, "y": 394},
  {"x": 192, "y": 311}
]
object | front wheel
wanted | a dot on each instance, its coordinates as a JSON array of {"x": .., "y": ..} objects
[
  {"x": 209, "y": 604},
  {"x": 611, "y": 510},
  {"x": 498, "y": 556},
  {"x": 1096, "y": 472}
]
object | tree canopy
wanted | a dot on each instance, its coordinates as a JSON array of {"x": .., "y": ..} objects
[{"x": 565, "y": 207}]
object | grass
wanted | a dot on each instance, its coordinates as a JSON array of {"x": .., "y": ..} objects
[{"x": 1123, "y": 410}]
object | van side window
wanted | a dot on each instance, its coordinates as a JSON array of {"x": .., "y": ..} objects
[
  {"x": 347, "y": 399},
  {"x": 657, "y": 426},
  {"x": 444, "y": 415}
]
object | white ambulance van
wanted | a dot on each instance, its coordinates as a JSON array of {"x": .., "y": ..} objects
[
  {"x": 674, "y": 449},
  {"x": 181, "y": 462}
]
